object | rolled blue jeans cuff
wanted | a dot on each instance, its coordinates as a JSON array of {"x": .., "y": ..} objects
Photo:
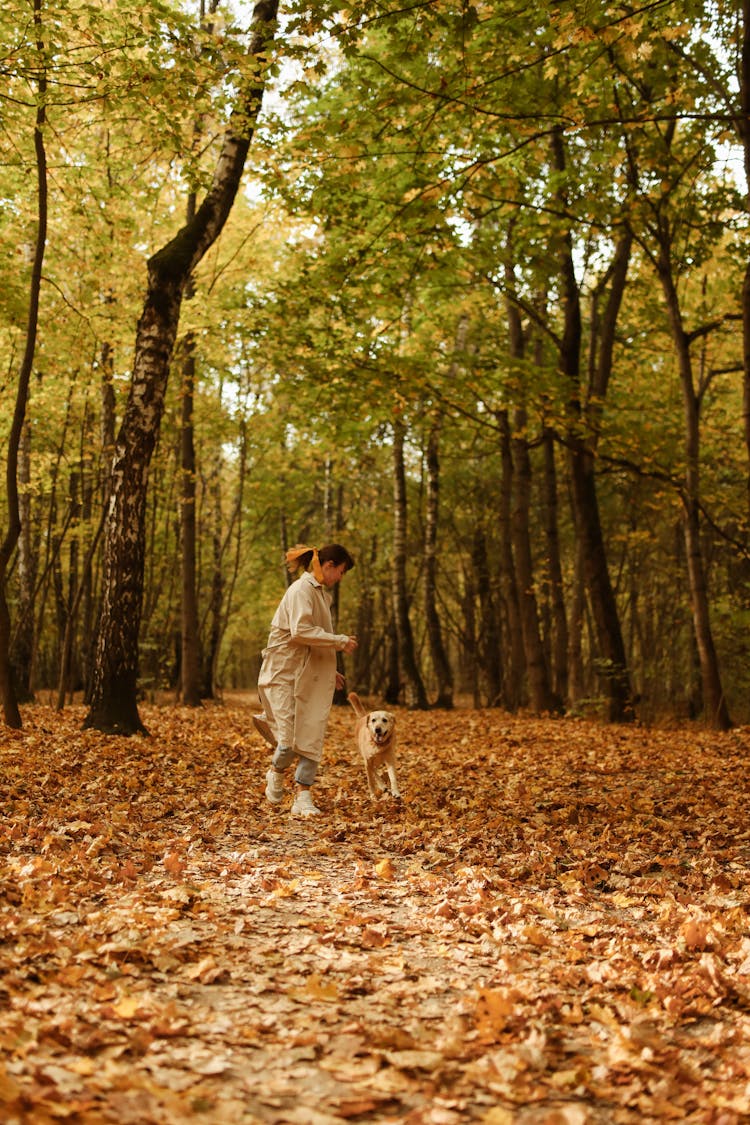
[{"x": 306, "y": 771}]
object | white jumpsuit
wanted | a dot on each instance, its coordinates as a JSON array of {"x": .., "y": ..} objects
[{"x": 298, "y": 674}]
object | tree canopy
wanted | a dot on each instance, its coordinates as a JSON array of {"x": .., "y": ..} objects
[{"x": 500, "y": 250}]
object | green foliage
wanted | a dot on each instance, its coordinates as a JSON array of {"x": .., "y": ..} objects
[{"x": 406, "y": 194}]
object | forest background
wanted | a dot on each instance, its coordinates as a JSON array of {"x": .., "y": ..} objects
[{"x": 480, "y": 309}]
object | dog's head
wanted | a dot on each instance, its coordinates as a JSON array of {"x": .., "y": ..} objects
[{"x": 380, "y": 724}]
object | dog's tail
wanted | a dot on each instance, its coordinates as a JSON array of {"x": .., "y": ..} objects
[{"x": 357, "y": 704}]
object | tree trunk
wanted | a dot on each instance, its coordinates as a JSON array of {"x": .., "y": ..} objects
[
  {"x": 11, "y": 712},
  {"x": 516, "y": 657},
  {"x": 472, "y": 637},
  {"x": 576, "y": 685},
  {"x": 489, "y": 639},
  {"x": 366, "y": 617},
  {"x": 537, "y": 672},
  {"x": 610, "y": 660},
  {"x": 107, "y": 440},
  {"x": 414, "y": 690},
  {"x": 215, "y": 611},
  {"x": 743, "y": 125},
  {"x": 714, "y": 701},
  {"x": 223, "y": 584},
  {"x": 190, "y": 662},
  {"x": 68, "y": 595},
  {"x": 67, "y": 641},
  {"x": 610, "y": 663},
  {"x": 440, "y": 663},
  {"x": 113, "y": 705},
  {"x": 392, "y": 690},
  {"x": 333, "y": 497},
  {"x": 22, "y": 645},
  {"x": 559, "y": 624}
]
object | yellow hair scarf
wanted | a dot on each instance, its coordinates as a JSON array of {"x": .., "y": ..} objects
[{"x": 294, "y": 555}]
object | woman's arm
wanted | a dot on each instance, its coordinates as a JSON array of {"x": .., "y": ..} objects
[{"x": 303, "y": 629}]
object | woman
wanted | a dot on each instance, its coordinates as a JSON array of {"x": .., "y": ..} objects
[{"x": 298, "y": 675}]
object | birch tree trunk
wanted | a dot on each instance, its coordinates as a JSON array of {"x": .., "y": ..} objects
[{"x": 113, "y": 703}]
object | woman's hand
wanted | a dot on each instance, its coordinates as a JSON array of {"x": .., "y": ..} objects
[
  {"x": 340, "y": 682},
  {"x": 350, "y": 645}
]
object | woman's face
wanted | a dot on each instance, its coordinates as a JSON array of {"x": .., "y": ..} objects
[{"x": 332, "y": 572}]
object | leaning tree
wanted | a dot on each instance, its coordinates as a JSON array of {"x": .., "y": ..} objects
[{"x": 113, "y": 706}]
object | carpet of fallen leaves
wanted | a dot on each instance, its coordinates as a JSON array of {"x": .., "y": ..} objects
[{"x": 551, "y": 926}]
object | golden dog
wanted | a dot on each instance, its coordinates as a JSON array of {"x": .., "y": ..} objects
[{"x": 376, "y": 739}]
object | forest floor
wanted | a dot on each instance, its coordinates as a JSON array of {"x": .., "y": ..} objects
[{"x": 550, "y": 928}]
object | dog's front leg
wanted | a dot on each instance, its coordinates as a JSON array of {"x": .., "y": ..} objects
[
  {"x": 373, "y": 781},
  {"x": 392, "y": 778}
]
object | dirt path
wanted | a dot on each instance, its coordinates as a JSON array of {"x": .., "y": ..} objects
[{"x": 551, "y": 928}]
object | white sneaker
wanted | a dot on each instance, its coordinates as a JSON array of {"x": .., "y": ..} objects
[
  {"x": 303, "y": 804},
  {"x": 274, "y": 786},
  {"x": 261, "y": 725}
]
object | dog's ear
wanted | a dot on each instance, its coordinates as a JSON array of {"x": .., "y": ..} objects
[{"x": 391, "y": 716}]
